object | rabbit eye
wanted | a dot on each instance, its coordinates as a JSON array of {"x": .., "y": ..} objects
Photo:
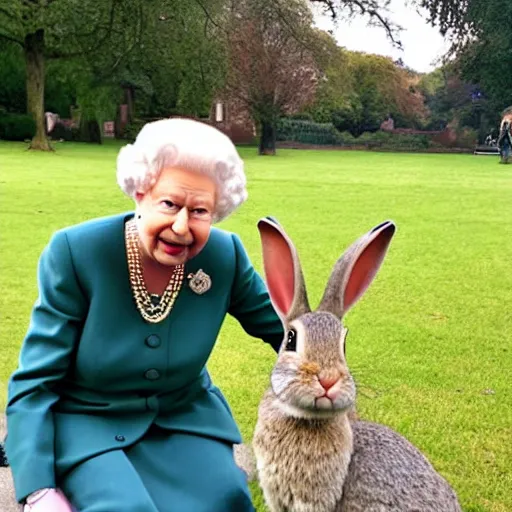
[{"x": 291, "y": 342}]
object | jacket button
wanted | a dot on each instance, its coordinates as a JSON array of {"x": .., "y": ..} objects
[
  {"x": 152, "y": 374},
  {"x": 121, "y": 439},
  {"x": 152, "y": 403},
  {"x": 153, "y": 341}
]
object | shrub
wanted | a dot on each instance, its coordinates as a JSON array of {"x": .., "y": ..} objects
[
  {"x": 307, "y": 132},
  {"x": 132, "y": 129},
  {"x": 347, "y": 139},
  {"x": 467, "y": 138},
  {"x": 394, "y": 141},
  {"x": 301, "y": 116},
  {"x": 18, "y": 127},
  {"x": 89, "y": 131}
]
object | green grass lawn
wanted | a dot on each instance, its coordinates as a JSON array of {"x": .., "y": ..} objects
[{"x": 429, "y": 344}]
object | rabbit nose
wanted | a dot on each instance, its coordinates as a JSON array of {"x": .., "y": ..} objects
[{"x": 327, "y": 382}]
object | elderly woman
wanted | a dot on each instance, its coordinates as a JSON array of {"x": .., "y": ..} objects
[{"x": 111, "y": 408}]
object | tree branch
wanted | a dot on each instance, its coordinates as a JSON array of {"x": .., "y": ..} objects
[
  {"x": 371, "y": 8},
  {"x": 13, "y": 39},
  {"x": 450, "y": 16},
  {"x": 388, "y": 27},
  {"x": 208, "y": 15}
]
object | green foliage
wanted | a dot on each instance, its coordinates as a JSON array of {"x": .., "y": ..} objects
[
  {"x": 454, "y": 101},
  {"x": 133, "y": 129},
  {"x": 13, "y": 96},
  {"x": 89, "y": 131},
  {"x": 486, "y": 60},
  {"x": 301, "y": 116},
  {"x": 12, "y": 78},
  {"x": 118, "y": 44},
  {"x": 336, "y": 88},
  {"x": 98, "y": 103},
  {"x": 467, "y": 138},
  {"x": 178, "y": 64},
  {"x": 371, "y": 106},
  {"x": 62, "y": 79},
  {"x": 18, "y": 127},
  {"x": 481, "y": 33},
  {"x": 307, "y": 132},
  {"x": 393, "y": 141},
  {"x": 431, "y": 83},
  {"x": 359, "y": 91},
  {"x": 435, "y": 91}
]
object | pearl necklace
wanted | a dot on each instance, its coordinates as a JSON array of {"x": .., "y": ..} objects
[{"x": 151, "y": 312}]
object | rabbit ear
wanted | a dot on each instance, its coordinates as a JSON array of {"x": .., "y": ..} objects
[
  {"x": 355, "y": 269},
  {"x": 285, "y": 281}
]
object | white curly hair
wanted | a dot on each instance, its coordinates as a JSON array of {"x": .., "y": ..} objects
[{"x": 189, "y": 145}]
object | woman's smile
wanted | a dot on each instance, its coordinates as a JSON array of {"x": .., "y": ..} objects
[{"x": 173, "y": 248}]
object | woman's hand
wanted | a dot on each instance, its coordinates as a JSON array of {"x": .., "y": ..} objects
[{"x": 48, "y": 500}]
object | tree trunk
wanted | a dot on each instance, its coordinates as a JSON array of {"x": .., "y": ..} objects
[
  {"x": 34, "y": 59},
  {"x": 267, "y": 138},
  {"x": 129, "y": 93}
]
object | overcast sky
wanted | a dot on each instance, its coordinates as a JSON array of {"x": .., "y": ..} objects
[{"x": 422, "y": 44}]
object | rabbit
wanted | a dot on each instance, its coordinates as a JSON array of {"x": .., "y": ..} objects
[{"x": 312, "y": 452}]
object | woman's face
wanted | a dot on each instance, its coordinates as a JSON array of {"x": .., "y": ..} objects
[{"x": 176, "y": 216}]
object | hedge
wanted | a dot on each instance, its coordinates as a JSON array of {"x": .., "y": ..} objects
[
  {"x": 17, "y": 127},
  {"x": 308, "y": 132}
]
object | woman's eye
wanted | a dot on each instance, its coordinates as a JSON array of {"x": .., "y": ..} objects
[
  {"x": 291, "y": 341},
  {"x": 168, "y": 203},
  {"x": 201, "y": 213}
]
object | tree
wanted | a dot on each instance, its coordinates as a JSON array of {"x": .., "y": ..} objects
[
  {"x": 451, "y": 16},
  {"x": 408, "y": 106},
  {"x": 55, "y": 29},
  {"x": 486, "y": 59},
  {"x": 359, "y": 91},
  {"x": 179, "y": 63},
  {"x": 481, "y": 35},
  {"x": 335, "y": 90},
  {"x": 271, "y": 64}
]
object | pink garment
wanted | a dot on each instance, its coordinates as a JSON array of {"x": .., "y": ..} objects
[{"x": 52, "y": 501}]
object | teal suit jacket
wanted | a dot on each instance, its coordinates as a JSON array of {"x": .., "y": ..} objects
[{"x": 93, "y": 376}]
